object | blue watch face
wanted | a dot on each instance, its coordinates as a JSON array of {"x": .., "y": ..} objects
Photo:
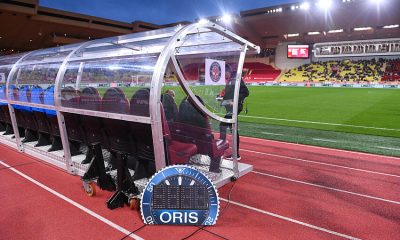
[{"x": 180, "y": 195}]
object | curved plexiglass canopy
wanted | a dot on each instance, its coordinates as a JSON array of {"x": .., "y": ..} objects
[{"x": 171, "y": 58}]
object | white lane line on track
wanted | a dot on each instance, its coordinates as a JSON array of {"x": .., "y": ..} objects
[
  {"x": 323, "y": 140},
  {"x": 288, "y": 219},
  {"x": 329, "y": 188},
  {"x": 388, "y": 148},
  {"x": 323, "y": 148},
  {"x": 269, "y": 133},
  {"x": 320, "y": 123},
  {"x": 72, "y": 202},
  {"x": 321, "y": 163}
]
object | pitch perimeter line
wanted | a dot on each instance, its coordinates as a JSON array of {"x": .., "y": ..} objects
[
  {"x": 289, "y": 219},
  {"x": 329, "y": 188},
  {"x": 324, "y": 140},
  {"x": 321, "y": 163},
  {"x": 320, "y": 123},
  {"x": 388, "y": 148},
  {"x": 318, "y": 147},
  {"x": 269, "y": 133},
  {"x": 72, "y": 202}
]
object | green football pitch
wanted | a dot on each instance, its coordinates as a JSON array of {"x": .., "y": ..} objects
[
  {"x": 365, "y": 120},
  {"x": 364, "y": 111}
]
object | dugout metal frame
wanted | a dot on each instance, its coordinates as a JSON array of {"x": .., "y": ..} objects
[{"x": 167, "y": 54}]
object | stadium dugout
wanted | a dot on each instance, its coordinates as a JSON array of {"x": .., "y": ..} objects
[{"x": 77, "y": 106}]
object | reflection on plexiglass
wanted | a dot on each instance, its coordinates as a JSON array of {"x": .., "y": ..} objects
[{"x": 113, "y": 83}]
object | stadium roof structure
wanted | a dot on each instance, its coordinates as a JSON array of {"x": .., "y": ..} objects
[
  {"x": 306, "y": 22},
  {"x": 27, "y": 26}
]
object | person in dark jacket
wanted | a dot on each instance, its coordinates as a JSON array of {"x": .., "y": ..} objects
[
  {"x": 169, "y": 104},
  {"x": 228, "y": 102}
]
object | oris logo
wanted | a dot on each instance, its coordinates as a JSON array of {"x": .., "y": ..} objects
[{"x": 177, "y": 217}]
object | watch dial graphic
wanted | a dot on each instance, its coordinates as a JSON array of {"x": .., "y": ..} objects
[{"x": 180, "y": 195}]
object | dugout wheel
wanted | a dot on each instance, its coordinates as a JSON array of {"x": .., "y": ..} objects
[
  {"x": 134, "y": 204},
  {"x": 90, "y": 188}
]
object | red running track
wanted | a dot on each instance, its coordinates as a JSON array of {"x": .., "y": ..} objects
[{"x": 294, "y": 192}]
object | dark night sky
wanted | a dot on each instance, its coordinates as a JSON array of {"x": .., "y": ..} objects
[{"x": 158, "y": 11}]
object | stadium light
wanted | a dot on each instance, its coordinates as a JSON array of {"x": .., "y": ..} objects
[
  {"x": 293, "y": 35},
  {"x": 114, "y": 67},
  {"x": 313, "y": 33},
  {"x": 305, "y": 6},
  {"x": 178, "y": 27},
  {"x": 376, "y": 1},
  {"x": 227, "y": 18},
  {"x": 324, "y": 4},
  {"x": 203, "y": 21},
  {"x": 362, "y": 28},
  {"x": 335, "y": 31},
  {"x": 387, "y": 26}
]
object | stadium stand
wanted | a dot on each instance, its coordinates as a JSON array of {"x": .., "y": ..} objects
[
  {"x": 260, "y": 72},
  {"x": 345, "y": 71},
  {"x": 392, "y": 71}
]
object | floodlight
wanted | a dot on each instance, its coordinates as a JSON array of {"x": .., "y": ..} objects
[
  {"x": 335, "y": 31},
  {"x": 293, "y": 35},
  {"x": 387, "y": 26},
  {"x": 179, "y": 26},
  {"x": 227, "y": 18},
  {"x": 114, "y": 67},
  {"x": 362, "y": 28},
  {"x": 324, "y": 4},
  {"x": 305, "y": 6},
  {"x": 203, "y": 21}
]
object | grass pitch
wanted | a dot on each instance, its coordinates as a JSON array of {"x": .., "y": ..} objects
[
  {"x": 363, "y": 111},
  {"x": 366, "y": 120}
]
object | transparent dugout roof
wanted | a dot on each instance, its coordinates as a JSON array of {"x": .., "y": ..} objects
[
  {"x": 125, "y": 63},
  {"x": 128, "y": 78}
]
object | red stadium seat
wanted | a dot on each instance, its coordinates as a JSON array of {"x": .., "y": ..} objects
[
  {"x": 260, "y": 72},
  {"x": 92, "y": 136},
  {"x": 194, "y": 127},
  {"x": 178, "y": 152},
  {"x": 90, "y": 100},
  {"x": 117, "y": 136},
  {"x": 70, "y": 98}
]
